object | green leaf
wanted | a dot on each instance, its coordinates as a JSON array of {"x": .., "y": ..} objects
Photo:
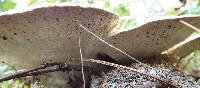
[
  {"x": 43, "y": 86},
  {"x": 191, "y": 62},
  {"x": 52, "y": 1},
  {"x": 5, "y": 84},
  {"x": 3, "y": 69},
  {"x": 32, "y": 2},
  {"x": 106, "y": 4},
  {"x": 63, "y": 1},
  {"x": 126, "y": 23},
  {"x": 8, "y": 4},
  {"x": 121, "y": 10},
  {"x": 196, "y": 10}
]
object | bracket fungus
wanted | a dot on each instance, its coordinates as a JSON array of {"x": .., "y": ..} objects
[
  {"x": 153, "y": 37},
  {"x": 51, "y": 33}
]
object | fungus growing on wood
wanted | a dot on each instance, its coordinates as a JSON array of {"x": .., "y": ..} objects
[{"x": 51, "y": 34}]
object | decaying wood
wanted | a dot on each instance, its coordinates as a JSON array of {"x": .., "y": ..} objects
[
  {"x": 140, "y": 76},
  {"x": 156, "y": 77}
]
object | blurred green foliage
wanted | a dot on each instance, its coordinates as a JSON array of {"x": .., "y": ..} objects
[
  {"x": 193, "y": 7},
  {"x": 52, "y": 1},
  {"x": 32, "y": 2},
  {"x": 7, "y": 5},
  {"x": 190, "y": 7},
  {"x": 191, "y": 63},
  {"x": 121, "y": 9},
  {"x": 106, "y": 4},
  {"x": 5, "y": 69}
]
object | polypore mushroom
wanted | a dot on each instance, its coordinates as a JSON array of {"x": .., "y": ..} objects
[
  {"x": 152, "y": 38},
  {"x": 51, "y": 33}
]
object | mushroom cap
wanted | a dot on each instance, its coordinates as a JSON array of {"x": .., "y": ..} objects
[
  {"x": 151, "y": 38},
  {"x": 51, "y": 34}
]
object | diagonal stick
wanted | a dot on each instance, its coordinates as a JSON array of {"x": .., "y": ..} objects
[
  {"x": 189, "y": 25},
  {"x": 109, "y": 44}
]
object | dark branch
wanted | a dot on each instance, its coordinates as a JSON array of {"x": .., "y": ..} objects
[{"x": 45, "y": 68}]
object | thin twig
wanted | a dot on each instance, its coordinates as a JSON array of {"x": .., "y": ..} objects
[
  {"x": 189, "y": 25},
  {"x": 109, "y": 44},
  {"x": 45, "y": 68},
  {"x": 79, "y": 42}
]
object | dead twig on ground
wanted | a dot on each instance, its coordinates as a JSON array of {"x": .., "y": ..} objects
[{"x": 45, "y": 68}]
